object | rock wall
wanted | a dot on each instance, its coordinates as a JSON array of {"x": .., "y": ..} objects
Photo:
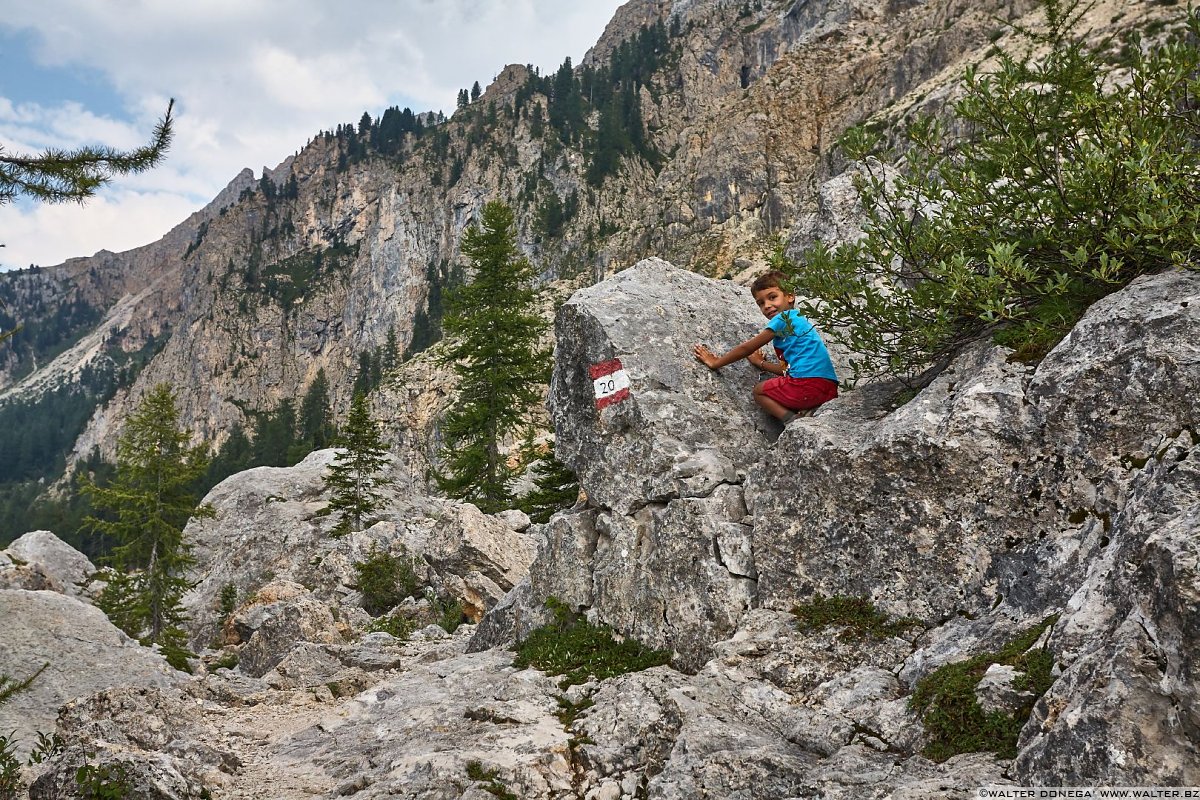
[{"x": 1001, "y": 494}]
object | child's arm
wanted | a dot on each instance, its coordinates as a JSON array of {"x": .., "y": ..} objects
[
  {"x": 759, "y": 360},
  {"x": 743, "y": 350}
]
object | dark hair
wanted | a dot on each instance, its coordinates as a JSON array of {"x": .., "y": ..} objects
[{"x": 770, "y": 280}]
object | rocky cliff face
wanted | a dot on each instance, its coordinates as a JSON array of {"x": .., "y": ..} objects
[
  {"x": 248, "y": 298},
  {"x": 1060, "y": 499}
]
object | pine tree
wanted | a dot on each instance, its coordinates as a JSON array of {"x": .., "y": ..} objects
[
  {"x": 497, "y": 355},
  {"x": 150, "y": 502},
  {"x": 316, "y": 418},
  {"x": 353, "y": 478},
  {"x": 58, "y": 176}
]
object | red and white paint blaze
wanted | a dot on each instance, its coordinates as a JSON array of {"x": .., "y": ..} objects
[{"x": 610, "y": 381}]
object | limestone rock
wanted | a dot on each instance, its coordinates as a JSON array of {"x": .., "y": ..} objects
[
  {"x": 85, "y": 652},
  {"x": 649, "y": 316},
  {"x": 1124, "y": 711},
  {"x": 267, "y": 529},
  {"x": 136, "y": 737},
  {"x": 40, "y": 560},
  {"x": 997, "y": 690},
  {"x": 278, "y": 616}
]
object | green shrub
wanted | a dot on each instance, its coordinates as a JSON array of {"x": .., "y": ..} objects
[
  {"x": 858, "y": 616},
  {"x": 449, "y": 613},
  {"x": 490, "y": 779},
  {"x": 10, "y": 769},
  {"x": 104, "y": 782},
  {"x": 227, "y": 661},
  {"x": 946, "y": 701},
  {"x": 1071, "y": 178},
  {"x": 579, "y": 651},
  {"x": 396, "y": 625},
  {"x": 385, "y": 579}
]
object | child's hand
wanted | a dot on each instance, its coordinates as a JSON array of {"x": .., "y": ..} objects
[
  {"x": 705, "y": 356},
  {"x": 757, "y": 359}
]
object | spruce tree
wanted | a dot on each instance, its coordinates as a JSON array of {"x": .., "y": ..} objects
[
  {"x": 149, "y": 502},
  {"x": 353, "y": 478},
  {"x": 58, "y": 176},
  {"x": 316, "y": 419},
  {"x": 496, "y": 352}
]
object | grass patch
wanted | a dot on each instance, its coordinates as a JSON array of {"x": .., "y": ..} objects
[
  {"x": 945, "y": 699},
  {"x": 568, "y": 712},
  {"x": 490, "y": 779},
  {"x": 858, "y": 616},
  {"x": 227, "y": 661},
  {"x": 579, "y": 651}
]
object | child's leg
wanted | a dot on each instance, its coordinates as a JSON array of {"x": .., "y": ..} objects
[{"x": 772, "y": 407}]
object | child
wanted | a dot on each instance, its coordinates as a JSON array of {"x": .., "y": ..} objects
[{"x": 806, "y": 377}]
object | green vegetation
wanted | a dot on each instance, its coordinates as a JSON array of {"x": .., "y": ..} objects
[
  {"x": 58, "y": 176},
  {"x": 1072, "y": 178},
  {"x": 280, "y": 437},
  {"x": 228, "y": 599},
  {"x": 353, "y": 478},
  {"x": 36, "y": 436},
  {"x": 858, "y": 617},
  {"x": 48, "y": 329},
  {"x": 568, "y": 712},
  {"x": 445, "y": 612},
  {"x": 104, "y": 781},
  {"x": 955, "y": 723},
  {"x": 227, "y": 661},
  {"x": 384, "y": 579},
  {"x": 496, "y": 352},
  {"x": 10, "y": 686},
  {"x": 11, "y": 785},
  {"x": 580, "y": 651},
  {"x": 490, "y": 779},
  {"x": 149, "y": 502},
  {"x": 555, "y": 487},
  {"x": 10, "y": 769}
]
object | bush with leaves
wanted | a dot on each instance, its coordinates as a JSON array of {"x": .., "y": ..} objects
[
  {"x": 1072, "y": 176},
  {"x": 384, "y": 579}
]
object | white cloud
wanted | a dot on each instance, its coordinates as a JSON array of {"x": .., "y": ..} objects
[
  {"x": 253, "y": 80},
  {"x": 50, "y": 234}
]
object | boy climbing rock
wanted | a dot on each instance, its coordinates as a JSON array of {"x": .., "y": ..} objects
[{"x": 805, "y": 373}]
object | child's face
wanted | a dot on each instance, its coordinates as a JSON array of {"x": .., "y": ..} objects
[{"x": 772, "y": 300}]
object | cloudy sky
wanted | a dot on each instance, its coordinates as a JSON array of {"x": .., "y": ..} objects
[{"x": 253, "y": 80}]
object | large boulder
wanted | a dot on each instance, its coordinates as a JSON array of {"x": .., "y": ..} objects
[
  {"x": 82, "y": 651},
  {"x": 268, "y": 529},
  {"x": 1001, "y": 494},
  {"x": 683, "y": 430},
  {"x": 40, "y": 560},
  {"x": 997, "y": 483}
]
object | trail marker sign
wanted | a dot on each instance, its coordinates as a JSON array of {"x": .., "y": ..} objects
[{"x": 610, "y": 382}]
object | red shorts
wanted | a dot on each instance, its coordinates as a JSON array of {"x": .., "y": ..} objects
[{"x": 800, "y": 394}]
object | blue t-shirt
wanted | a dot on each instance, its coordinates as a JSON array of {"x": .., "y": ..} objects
[{"x": 798, "y": 343}]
